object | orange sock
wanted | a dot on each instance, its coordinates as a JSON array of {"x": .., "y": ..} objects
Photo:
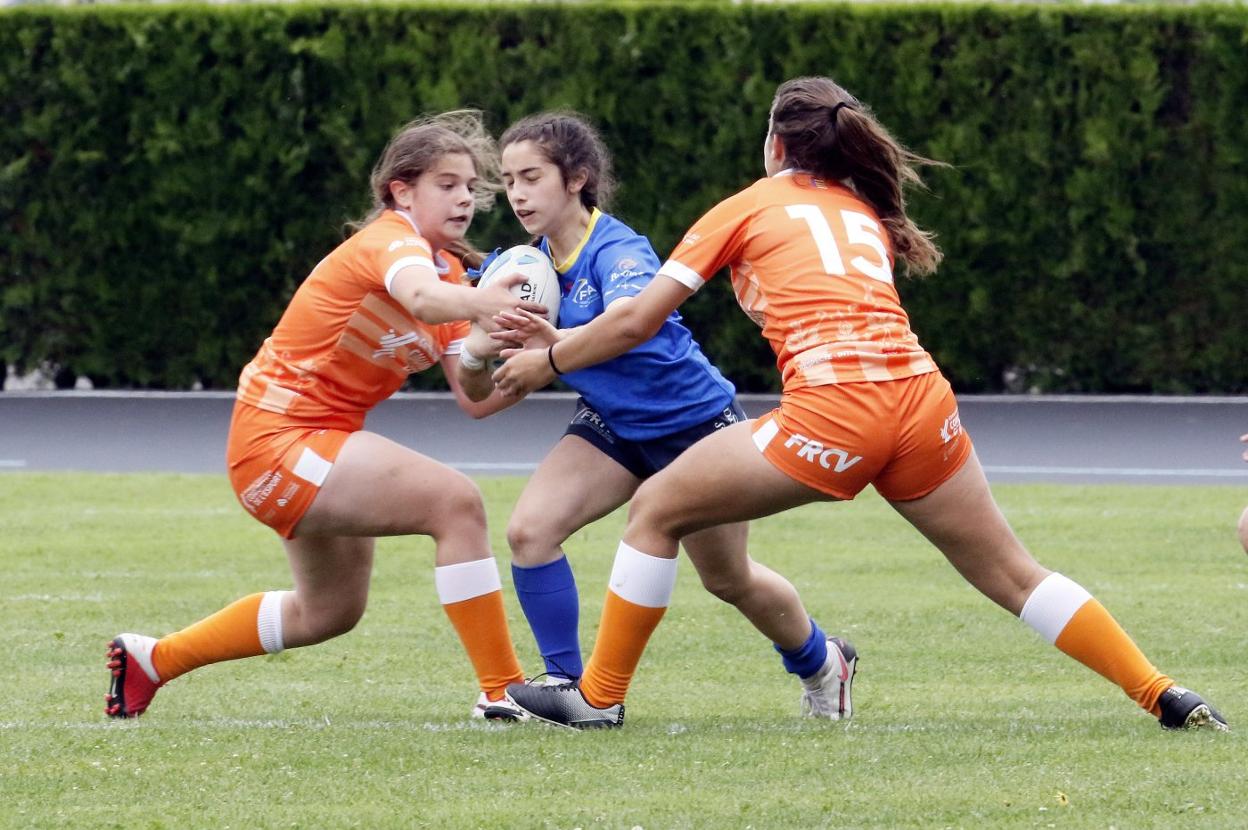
[
  {"x": 245, "y": 628},
  {"x": 1070, "y": 618},
  {"x": 623, "y": 632},
  {"x": 641, "y": 589},
  {"x": 1095, "y": 639},
  {"x": 472, "y": 597}
]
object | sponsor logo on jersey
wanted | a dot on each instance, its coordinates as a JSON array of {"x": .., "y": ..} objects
[
  {"x": 391, "y": 342},
  {"x": 582, "y": 293},
  {"x": 813, "y": 452},
  {"x": 626, "y": 269},
  {"x": 408, "y": 242}
]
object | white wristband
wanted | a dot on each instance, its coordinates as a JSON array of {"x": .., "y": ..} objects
[{"x": 469, "y": 360}]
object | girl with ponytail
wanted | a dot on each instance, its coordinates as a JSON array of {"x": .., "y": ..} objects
[{"x": 812, "y": 250}]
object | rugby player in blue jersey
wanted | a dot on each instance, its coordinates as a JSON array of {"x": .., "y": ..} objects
[{"x": 635, "y": 414}]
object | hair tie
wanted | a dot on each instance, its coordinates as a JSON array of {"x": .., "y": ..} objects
[{"x": 837, "y": 108}]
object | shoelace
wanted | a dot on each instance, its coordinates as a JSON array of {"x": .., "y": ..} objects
[{"x": 566, "y": 679}]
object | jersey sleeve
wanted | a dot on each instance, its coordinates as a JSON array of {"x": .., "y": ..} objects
[
  {"x": 390, "y": 249},
  {"x": 714, "y": 241},
  {"x": 625, "y": 268}
]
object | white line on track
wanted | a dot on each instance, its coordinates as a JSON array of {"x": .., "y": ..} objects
[{"x": 1116, "y": 471}]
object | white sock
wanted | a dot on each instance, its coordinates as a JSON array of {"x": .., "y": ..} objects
[
  {"x": 269, "y": 621},
  {"x": 465, "y": 580},
  {"x": 1051, "y": 605},
  {"x": 643, "y": 579}
]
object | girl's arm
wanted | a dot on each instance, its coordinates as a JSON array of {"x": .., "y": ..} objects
[
  {"x": 431, "y": 300},
  {"x": 622, "y": 327},
  {"x": 493, "y": 400}
]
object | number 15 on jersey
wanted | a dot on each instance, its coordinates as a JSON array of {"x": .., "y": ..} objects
[{"x": 860, "y": 229}]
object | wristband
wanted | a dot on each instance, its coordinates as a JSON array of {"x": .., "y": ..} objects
[
  {"x": 550, "y": 358},
  {"x": 469, "y": 360}
]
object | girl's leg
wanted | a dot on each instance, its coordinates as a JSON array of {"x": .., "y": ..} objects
[
  {"x": 764, "y": 597},
  {"x": 331, "y": 576},
  {"x": 961, "y": 518},
  {"x": 574, "y": 485},
  {"x": 378, "y": 487},
  {"x": 375, "y": 487},
  {"x": 721, "y": 480}
]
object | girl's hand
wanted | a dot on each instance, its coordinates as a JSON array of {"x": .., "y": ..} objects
[
  {"x": 525, "y": 329},
  {"x": 496, "y": 298},
  {"x": 524, "y": 371},
  {"x": 482, "y": 344}
]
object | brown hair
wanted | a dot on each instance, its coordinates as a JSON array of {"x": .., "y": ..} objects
[
  {"x": 418, "y": 146},
  {"x": 568, "y": 141},
  {"x": 826, "y": 131}
]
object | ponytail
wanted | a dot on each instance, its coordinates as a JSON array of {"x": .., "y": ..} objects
[{"x": 828, "y": 132}]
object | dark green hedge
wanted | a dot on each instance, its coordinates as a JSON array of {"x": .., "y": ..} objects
[{"x": 169, "y": 174}]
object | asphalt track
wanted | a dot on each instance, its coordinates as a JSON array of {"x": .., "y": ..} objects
[{"x": 1061, "y": 439}]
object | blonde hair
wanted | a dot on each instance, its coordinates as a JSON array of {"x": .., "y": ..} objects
[
  {"x": 827, "y": 131},
  {"x": 418, "y": 146}
]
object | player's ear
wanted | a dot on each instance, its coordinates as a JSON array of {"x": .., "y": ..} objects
[
  {"x": 577, "y": 180},
  {"x": 402, "y": 193},
  {"x": 778, "y": 153}
]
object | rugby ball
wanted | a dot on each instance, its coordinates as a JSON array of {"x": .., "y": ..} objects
[{"x": 541, "y": 283}]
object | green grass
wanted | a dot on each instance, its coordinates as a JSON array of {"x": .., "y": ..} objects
[{"x": 965, "y": 718}]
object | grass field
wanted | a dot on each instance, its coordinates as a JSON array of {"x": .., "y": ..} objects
[{"x": 965, "y": 718}]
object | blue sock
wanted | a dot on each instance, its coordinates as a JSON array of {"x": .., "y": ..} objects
[
  {"x": 552, "y": 606},
  {"x": 809, "y": 657}
]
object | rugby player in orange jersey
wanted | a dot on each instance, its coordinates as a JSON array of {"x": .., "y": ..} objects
[
  {"x": 811, "y": 250},
  {"x": 385, "y": 303}
]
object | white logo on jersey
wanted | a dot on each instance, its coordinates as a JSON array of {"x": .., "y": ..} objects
[
  {"x": 391, "y": 342},
  {"x": 814, "y": 452},
  {"x": 583, "y": 293},
  {"x": 409, "y": 241}
]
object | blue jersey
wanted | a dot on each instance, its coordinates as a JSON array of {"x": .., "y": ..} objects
[{"x": 664, "y": 385}]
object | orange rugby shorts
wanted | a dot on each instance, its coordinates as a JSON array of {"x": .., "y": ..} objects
[
  {"x": 903, "y": 436},
  {"x": 276, "y": 468}
]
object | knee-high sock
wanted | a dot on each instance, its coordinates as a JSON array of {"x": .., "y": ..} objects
[
  {"x": 548, "y": 596},
  {"x": 244, "y": 628},
  {"x": 641, "y": 589},
  {"x": 1069, "y": 617},
  {"x": 807, "y": 659},
  {"x": 472, "y": 596}
]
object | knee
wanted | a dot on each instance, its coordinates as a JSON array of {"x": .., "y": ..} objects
[
  {"x": 724, "y": 585},
  {"x": 650, "y": 509},
  {"x": 1243, "y": 529},
  {"x": 460, "y": 506},
  {"x": 329, "y": 621},
  {"x": 531, "y": 541}
]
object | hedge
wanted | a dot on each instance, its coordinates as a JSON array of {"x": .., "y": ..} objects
[{"x": 169, "y": 174}]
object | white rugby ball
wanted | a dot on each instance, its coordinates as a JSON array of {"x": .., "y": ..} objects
[{"x": 541, "y": 282}]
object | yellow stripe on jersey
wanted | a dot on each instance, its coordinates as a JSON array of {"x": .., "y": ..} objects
[{"x": 562, "y": 267}]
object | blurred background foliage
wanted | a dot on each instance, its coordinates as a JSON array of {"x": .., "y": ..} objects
[{"x": 169, "y": 174}]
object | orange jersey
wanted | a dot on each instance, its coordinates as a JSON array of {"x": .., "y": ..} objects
[
  {"x": 344, "y": 344},
  {"x": 811, "y": 263}
]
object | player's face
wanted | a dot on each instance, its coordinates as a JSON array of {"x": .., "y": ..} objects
[
  {"x": 440, "y": 200},
  {"x": 536, "y": 190}
]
